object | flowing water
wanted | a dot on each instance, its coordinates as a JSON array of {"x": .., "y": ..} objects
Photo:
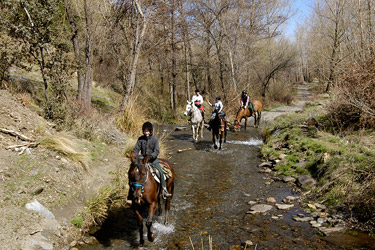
[{"x": 212, "y": 191}]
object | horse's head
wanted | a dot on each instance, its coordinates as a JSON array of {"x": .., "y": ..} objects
[
  {"x": 188, "y": 109},
  {"x": 137, "y": 177}
]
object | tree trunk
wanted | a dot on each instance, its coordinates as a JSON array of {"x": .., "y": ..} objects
[
  {"x": 133, "y": 71},
  {"x": 76, "y": 47},
  {"x": 87, "y": 86},
  {"x": 174, "y": 66}
]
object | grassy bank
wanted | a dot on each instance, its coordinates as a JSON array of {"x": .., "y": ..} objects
[{"x": 343, "y": 165}]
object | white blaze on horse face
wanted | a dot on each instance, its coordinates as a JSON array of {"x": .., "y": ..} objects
[{"x": 187, "y": 109}]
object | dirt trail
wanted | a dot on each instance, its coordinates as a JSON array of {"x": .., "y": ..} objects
[{"x": 303, "y": 95}]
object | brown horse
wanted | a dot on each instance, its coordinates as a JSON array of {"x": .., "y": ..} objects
[
  {"x": 146, "y": 193},
  {"x": 245, "y": 113},
  {"x": 219, "y": 130}
]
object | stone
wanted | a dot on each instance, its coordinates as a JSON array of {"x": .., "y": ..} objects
[
  {"x": 302, "y": 219},
  {"x": 327, "y": 231},
  {"x": 320, "y": 220},
  {"x": 282, "y": 156},
  {"x": 252, "y": 202},
  {"x": 305, "y": 180},
  {"x": 261, "y": 208},
  {"x": 287, "y": 179},
  {"x": 320, "y": 206},
  {"x": 266, "y": 170},
  {"x": 311, "y": 206},
  {"x": 271, "y": 200},
  {"x": 265, "y": 164},
  {"x": 37, "y": 190},
  {"x": 284, "y": 206}
]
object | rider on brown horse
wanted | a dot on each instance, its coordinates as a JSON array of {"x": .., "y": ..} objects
[
  {"x": 246, "y": 102},
  {"x": 218, "y": 110},
  {"x": 148, "y": 145}
]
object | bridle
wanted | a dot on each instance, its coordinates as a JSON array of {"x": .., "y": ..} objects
[{"x": 145, "y": 178}]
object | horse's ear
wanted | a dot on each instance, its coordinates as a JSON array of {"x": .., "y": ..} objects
[
  {"x": 145, "y": 159},
  {"x": 132, "y": 157}
]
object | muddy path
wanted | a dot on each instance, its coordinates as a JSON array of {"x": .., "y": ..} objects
[{"x": 211, "y": 200}]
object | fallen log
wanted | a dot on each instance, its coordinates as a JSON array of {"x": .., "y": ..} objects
[
  {"x": 183, "y": 150},
  {"x": 27, "y": 145},
  {"x": 14, "y": 133}
]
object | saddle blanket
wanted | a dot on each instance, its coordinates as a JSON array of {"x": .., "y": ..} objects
[{"x": 155, "y": 173}]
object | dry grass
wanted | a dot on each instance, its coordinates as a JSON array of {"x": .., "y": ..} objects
[
  {"x": 66, "y": 145},
  {"x": 130, "y": 122}
]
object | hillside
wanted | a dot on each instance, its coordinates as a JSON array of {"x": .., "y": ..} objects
[{"x": 48, "y": 173}]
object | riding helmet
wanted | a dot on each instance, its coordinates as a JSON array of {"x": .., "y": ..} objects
[
  {"x": 243, "y": 92},
  {"x": 218, "y": 97},
  {"x": 148, "y": 126},
  {"x": 197, "y": 90}
]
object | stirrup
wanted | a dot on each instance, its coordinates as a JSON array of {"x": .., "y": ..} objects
[{"x": 165, "y": 194}]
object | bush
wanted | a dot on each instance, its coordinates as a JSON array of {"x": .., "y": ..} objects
[{"x": 353, "y": 103}]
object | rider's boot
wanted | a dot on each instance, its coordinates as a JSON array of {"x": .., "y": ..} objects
[{"x": 166, "y": 193}]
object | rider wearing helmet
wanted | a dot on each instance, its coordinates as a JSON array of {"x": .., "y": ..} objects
[
  {"x": 218, "y": 110},
  {"x": 246, "y": 102},
  {"x": 148, "y": 145},
  {"x": 197, "y": 99}
]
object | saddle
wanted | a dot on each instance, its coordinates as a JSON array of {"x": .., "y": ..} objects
[{"x": 156, "y": 174}]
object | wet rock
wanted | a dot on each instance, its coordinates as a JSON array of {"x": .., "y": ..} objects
[
  {"x": 180, "y": 128},
  {"x": 287, "y": 179},
  {"x": 304, "y": 181},
  {"x": 311, "y": 206},
  {"x": 320, "y": 206},
  {"x": 252, "y": 202},
  {"x": 302, "y": 219},
  {"x": 267, "y": 164},
  {"x": 271, "y": 200},
  {"x": 320, "y": 220},
  {"x": 247, "y": 243},
  {"x": 289, "y": 199},
  {"x": 284, "y": 206},
  {"x": 275, "y": 217},
  {"x": 260, "y": 208},
  {"x": 266, "y": 170},
  {"x": 327, "y": 231}
]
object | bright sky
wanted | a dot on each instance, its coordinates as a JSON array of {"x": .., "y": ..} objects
[{"x": 302, "y": 8}]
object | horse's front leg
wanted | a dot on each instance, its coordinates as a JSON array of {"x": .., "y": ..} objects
[
  {"x": 245, "y": 122},
  {"x": 255, "y": 120},
  {"x": 214, "y": 139},
  {"x": 151, "y": 212},
  {"x": 140, "y": 225},
  {"x": 221, "y": 139},
  {"x": 201, "y": 128}
]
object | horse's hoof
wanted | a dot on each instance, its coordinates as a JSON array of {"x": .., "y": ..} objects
[
  {"x": 215, "y": 147},
  {"x": 151, "y": 237}
]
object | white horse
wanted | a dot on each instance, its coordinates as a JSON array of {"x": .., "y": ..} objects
[{"x": 197, "y": 121}]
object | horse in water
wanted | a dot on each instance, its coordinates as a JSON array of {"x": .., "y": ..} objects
[
  {"x": 146, "y": 193},
  {"x": 245, "y": 113},
  {"x": 197, "y": 121},
  {"x": 219, "y": 130}
]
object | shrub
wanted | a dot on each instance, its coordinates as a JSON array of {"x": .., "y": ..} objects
[{"x": 353, "y": 104}]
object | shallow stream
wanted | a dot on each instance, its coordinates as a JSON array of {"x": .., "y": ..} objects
[{"x": 212, "y": 191}]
